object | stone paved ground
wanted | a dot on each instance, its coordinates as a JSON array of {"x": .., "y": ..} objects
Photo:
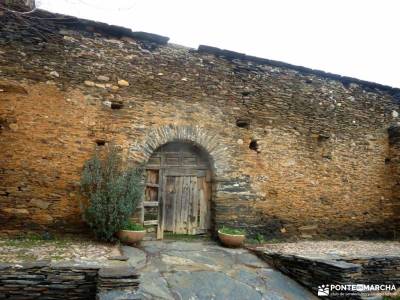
[{"x": 204, "y": 270}]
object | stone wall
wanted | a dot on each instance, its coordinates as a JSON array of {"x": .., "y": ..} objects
[
  {"x": 68, "y": 280},
  {"x": 296, "y": 152},
  {"x": 394, "y": 162},
  {"x": 312, "y": 272}
]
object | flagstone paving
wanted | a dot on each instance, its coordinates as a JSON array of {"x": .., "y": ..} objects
[{"x": 205, "y": 270}]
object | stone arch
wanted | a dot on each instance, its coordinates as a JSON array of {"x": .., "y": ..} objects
[{"x": 209, "y": 141}]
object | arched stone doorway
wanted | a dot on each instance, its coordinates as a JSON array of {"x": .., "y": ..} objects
[{"x": 178, "y": 189}]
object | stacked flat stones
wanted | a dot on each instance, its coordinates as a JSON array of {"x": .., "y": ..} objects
[
  {"x": 122, "y": 278},
  {"x": 69, "y": 280},
  {"x": 312, "y": 272}
]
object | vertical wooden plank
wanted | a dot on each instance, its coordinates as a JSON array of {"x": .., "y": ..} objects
[
  {"x": 144, "y": 199},
  {"x": 193, "y": 206},
  {"x": 161, "y": 209},
  {"x": 184, "y": 205},
  {"x": 208, "y": 194},
  {"x": 178, "y": 203},
  {"x": 170, "y": 193},
  {"x": 142, "y": 213},
  {"x": 180, "y": 206},
  {"x": 161, "y": 196},
  {"x": 202, "y": 203},
  {"x": 205, "y": 203},
  {"x": 189, "y": 207}
]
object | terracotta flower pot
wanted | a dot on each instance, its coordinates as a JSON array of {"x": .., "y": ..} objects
[
  {"x": 130, "y": 236},
  {"x": 231, "y": 240}
]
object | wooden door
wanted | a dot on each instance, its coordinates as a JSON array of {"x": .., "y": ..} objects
[
  {"x": 187, "y": 200},
  {"x": 181, "y": 210},
  {"x": 178, "y": 187}
]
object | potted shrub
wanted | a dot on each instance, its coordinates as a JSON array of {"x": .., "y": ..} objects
[
  {"x": 113, "y": 189},
  {"x": 231, "y": 237},
  {"x": 131, "y": 233}
]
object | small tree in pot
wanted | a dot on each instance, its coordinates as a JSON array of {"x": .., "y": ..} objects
[{"x": 113, "y": 191}]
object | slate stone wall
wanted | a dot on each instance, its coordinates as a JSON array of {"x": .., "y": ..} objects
[
  {"x": 394, "y": 162},
  {"x": 296, "y": 152},
  {"x": 67, "y": 280},
  {"x": 313, "y": 272}
]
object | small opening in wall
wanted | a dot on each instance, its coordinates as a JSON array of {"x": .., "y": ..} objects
[
  {"x": 3, "y": 124},
  {"x": 243, "y": 123},
  {"x": 100, "y": 142},
  {"x": 116, "y": 105},
  {"x": 387, "y": 161},
  {"x": 254, "y": 146},
  {"x": 323, "y": 137},
  {"x": 327, "y": 156},
  {"x": 246, "y": 93}
]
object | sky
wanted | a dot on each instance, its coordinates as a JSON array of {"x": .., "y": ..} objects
[{"x": 357, "y": 38}]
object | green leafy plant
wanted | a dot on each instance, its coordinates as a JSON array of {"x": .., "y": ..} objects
[
  {"x": 260, "y": 238},
  {"x": 234, "y": 231},
  {"x": 113, "y": 191},
  {"x": 132, "y": 226}
]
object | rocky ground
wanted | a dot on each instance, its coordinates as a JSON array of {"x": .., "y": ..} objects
[
  {"x": 65, "y": 248},
  {"x": 196, "y": 269},
  {"x": 335, "y": 249},
  {"x": 205, "y": 270}
]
